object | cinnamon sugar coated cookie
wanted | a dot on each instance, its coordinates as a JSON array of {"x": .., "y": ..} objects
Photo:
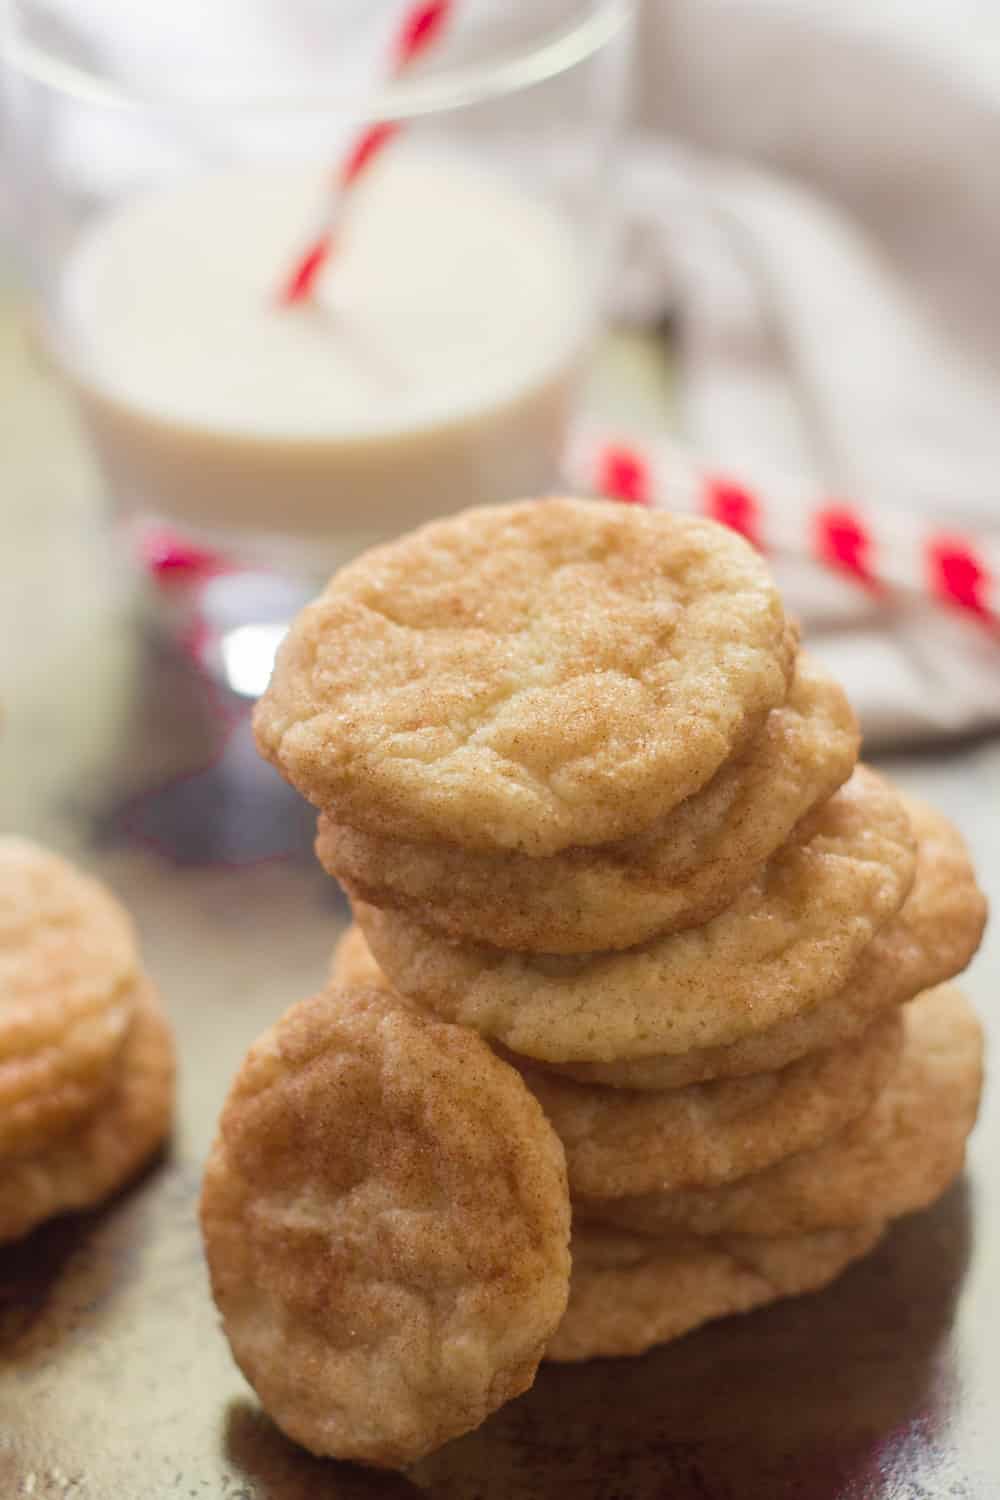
[
  {"x": 528, "y": 676},
  {"x": 68, "y": 966},
  {"x": 630, "y": 1292},
  {"x": 787, "y": 942},
  {"x": 679, "y": 872},
  {"x": 386, "y": 1221},
  {"x": 621, "y": 1142},
  {"x": 932, "y": 937},
  {"x": 95, "y": 1158},
  {"x": 897, "y": 1157},
  {"x": 705, "y": 1133},
  {"x": 634, "y": 933}
]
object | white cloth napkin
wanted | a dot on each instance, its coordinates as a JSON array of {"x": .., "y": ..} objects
[{"x": 815, "y": 198}]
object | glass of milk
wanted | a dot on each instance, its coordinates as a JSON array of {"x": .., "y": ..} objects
[{"x": 173, "y": 164}]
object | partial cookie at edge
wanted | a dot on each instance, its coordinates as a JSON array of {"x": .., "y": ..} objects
[
  {"x": 101, "y": 1154},
  {"x": 68, "y": 962}
]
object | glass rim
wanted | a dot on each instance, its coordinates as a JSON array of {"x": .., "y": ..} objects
[{"x": 565, "y": 47}]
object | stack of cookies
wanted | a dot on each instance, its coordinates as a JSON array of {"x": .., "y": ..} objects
[
  {"x": 86, "y": 1056},
  {"x": 592, "y": 803}
]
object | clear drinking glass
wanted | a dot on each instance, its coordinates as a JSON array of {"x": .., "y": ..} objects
[{"x": 175, "y": 163}]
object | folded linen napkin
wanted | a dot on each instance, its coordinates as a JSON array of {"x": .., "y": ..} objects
[{"x": 787, "y": 203}]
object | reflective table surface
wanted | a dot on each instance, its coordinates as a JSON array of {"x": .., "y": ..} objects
[{"x": 115, "y": 1381}]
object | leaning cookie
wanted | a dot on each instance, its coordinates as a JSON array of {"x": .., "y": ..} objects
[
  {"x": 932, "y": 938},
  {"x": 678, "y": 873},
  {"x": 100, "y": 1154},
  {"x": 896, "y": 1158},
  {"x": 528, "y": 676},
  {"x": 68, "y": 968},
  {"x": 629, "y": 1292},
  {"x": 788, "y": 942},
  {"x": 386, "y": 1221}
]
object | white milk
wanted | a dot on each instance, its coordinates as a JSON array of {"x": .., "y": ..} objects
[{"x": 433, "y": 370}]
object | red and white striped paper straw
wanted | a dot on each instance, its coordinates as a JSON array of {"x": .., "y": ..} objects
[
  {"x": 881, "y": 549},
  {"x": 421, "y": 25}
]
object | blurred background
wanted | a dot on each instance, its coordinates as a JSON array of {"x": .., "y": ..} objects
[
  {"x": 279, "y": 279},
  {"x": 764, "y": 239}
]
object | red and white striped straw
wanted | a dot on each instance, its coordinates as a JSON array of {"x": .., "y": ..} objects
[
  {"x": 882, "y": 550},
  {"x": 420, "y": 26}
]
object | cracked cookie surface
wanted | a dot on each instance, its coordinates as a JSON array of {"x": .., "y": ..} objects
[
  {"x": 787, "y": 942},
  {"x": 386, "y": 1221},
  {"x": 618, "y": 1141},
  {"x": 931, "y": 938},
  {"x": 704, "y": 1132},
  {"x": 679, "y": 872},
  {"x": 897, "y": 1157},
  {"x": 528, "y": 676}
]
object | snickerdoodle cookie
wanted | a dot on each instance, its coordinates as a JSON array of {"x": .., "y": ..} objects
[
  {"x": 932, "y": 938},
  {"x": 679, "y": 872},
  {"x": 618, "y": 1141},
  {"x": 97, "y": 1155},
  {"x": 896, "y": 1158},
  {"x": 703, "y": 1133},
  {"x": 386, "y": 1221},
  {"x": 528, "y": 676},
  {"x": 788, "y": 941},
  {"x": 629, "y": 1292},
  {"x": 68, "y": 966}
]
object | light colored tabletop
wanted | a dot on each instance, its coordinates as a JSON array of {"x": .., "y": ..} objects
[{"x": 115, "y": 1383}]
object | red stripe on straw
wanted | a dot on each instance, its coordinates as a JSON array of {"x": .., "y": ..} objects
[
  {"x": 306, "y": 270},
  {"x": 365, "y": 149},
  {"x": 957, "y": 574},
  {"x": 844, "y": 541},
  {"x": 171, "y": 559},
  {"x": 884, "y": 549},
  {"x": 735, "y": 507},
  {"x": 420, "y": 27},
  {"x": 623, "y": 475}
]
